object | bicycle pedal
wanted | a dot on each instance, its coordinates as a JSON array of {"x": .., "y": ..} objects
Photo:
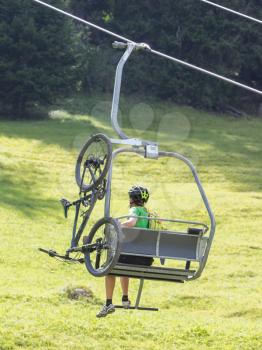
[
  {"x": 52, "y": 253},
  {"x": 65, "y": 204}
]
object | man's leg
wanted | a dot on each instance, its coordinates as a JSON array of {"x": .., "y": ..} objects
[
  {"x": 125, "y": 284},
  {"x": 110, "y": 282},
  {"x": 108, "y": 308}
]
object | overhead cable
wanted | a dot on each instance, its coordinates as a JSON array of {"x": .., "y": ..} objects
[
  {"x": 150, "y": 50},
  {"x": 232, "y": 11},
  {"x": 207, "y": 72}
]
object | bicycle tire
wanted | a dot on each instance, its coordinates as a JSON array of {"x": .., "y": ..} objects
[
  {"x": 86, "y": 155},
  {"x": 92, "y": 260}
]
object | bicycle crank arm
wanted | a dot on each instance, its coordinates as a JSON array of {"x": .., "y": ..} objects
[
  {"x": 85, "y": 248},
  {"x": 54, "y": 254}
]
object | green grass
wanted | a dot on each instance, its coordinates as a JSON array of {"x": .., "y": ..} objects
[{"x": 221, "y": 310}]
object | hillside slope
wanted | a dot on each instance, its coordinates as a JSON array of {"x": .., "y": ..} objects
[{"x": 221, "y": 310}]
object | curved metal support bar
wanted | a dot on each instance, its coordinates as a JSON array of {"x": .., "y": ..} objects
[
  {"x": 117, "y": 88},
  {"x": 110, "y": 173},
  {"x": 205, "y": 227},
  {"x": 200, "y": 188},
  {"x": 207, "y": 205}
]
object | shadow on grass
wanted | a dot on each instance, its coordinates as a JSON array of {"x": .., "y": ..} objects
[
  {"x": 192, "y": 301},
  {"x": 50, "y": 132},
  {"x": 22, "y": 196},
  {"x": 250, "y": 314},
  {"x": 230, "y": 149},
  {"x": 236, "y": 156}
]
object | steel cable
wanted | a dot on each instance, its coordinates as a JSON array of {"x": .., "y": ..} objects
[
  {"x": 189, "y": 65},
  {"x": 232, "y": 11}
]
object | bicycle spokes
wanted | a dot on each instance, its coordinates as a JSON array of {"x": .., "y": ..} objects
[
  {"x": 93, "y": 162},
  {"x": 106, "y": 235}
]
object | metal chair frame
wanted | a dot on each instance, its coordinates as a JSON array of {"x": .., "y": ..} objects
[
  {"x": 196, "y": 247},
  {"x": 149, "y": 149}
]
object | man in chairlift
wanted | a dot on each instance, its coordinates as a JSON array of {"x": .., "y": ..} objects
[{"x": 138, "y": 196}]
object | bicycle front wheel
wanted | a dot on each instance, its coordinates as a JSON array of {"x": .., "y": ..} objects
[
  {"x": 105, "y": 238},
  {"x": 93, "y": 162}
]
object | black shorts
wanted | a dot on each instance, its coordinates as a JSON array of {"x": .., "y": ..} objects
[{"x": 135, "y": 260}]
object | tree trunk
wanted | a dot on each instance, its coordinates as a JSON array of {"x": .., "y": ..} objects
[{"x": 19, "y": 107}]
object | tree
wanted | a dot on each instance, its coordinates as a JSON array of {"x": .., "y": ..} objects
[
  {"x": 38, "y": 59},
  {"x": 191, "y": 31}
]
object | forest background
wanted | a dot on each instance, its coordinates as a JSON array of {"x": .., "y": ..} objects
[
  {"x": 56, "y": 84},
  {"x": 45, "y": 55}
]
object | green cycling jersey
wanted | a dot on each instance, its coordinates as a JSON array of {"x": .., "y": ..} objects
[{"x": 139, "y": 211}]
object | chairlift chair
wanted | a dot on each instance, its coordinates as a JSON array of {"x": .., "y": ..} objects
[
  {"x": 191, "y": 245},
  {"x": 107, "y": 239}
]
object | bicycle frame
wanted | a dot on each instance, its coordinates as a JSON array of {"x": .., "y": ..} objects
[
  {"x": 76, "y": 234},
  {"x": 88, "y": 201}
]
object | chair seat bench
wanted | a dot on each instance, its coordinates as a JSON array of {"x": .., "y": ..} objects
[
  {"x": 152, "y": 272},
  {"x": 163, "y": 244}
]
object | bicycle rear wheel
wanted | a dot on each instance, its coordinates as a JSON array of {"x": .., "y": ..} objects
[
  {"x": 105, "y": 235},
  {"x": 93, "y": 162}
]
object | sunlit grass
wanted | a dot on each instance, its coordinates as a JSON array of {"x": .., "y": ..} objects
[{"x": 221, "y": 310}]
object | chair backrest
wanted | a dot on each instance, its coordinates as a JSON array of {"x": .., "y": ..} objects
[
  {"x": 139, "y": 241},
  {"x": 163, "y": 244}
]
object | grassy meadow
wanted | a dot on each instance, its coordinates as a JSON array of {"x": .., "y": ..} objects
[{"x": 221, "y": 310}]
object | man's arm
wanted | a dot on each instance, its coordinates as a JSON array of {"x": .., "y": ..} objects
[{"x": 129, "y": 223}]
